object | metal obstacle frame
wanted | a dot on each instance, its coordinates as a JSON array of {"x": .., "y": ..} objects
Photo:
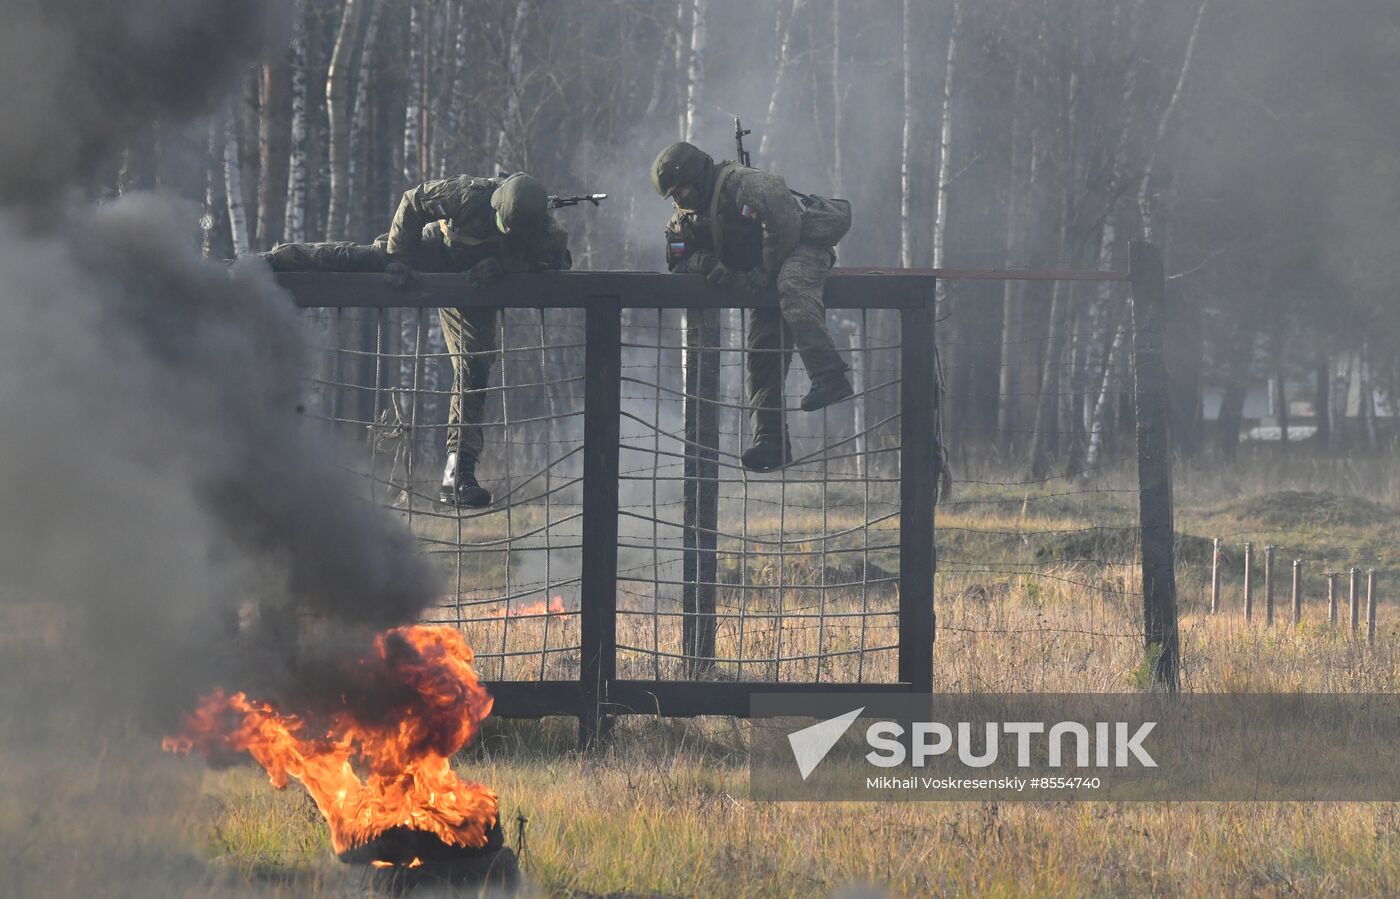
[{"x": 598, "y": 694}]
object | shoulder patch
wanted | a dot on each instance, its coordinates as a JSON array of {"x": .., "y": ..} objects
[{"x": 747, "y": 212}]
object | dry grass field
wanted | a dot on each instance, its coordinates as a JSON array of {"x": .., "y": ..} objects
[{"x": 666, "y": 812}]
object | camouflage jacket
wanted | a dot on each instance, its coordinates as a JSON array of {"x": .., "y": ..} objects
[
  {"x": 449, "y": 226},
  {"x": 760, "y": 224}
]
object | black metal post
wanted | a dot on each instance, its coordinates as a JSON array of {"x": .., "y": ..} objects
[
  {"x": 1154, "y": 464},
  {"x": 918, "y": 472},
  {"x": 602, "y": 411},
  {"x": 701, "y": 498}
]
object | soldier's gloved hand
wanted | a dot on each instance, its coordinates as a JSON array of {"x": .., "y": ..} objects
[
  {"x": 703, "y": 264},
  {"x": 485, "y": 273},
  {"x": 723, "y": 276},
  {"x": 399, "y": 275},
  {"x": 755, "y": 281}
]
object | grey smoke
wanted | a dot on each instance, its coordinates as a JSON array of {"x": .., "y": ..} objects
[{"x": 158, "y": 474}]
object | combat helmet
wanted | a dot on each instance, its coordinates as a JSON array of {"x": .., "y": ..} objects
[
  {"x": 682, "y": 164},
  {"x": 521, "y": 204}
]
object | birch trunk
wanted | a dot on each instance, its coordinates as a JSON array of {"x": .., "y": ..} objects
[
  {"x": 294, "y": 216},
  {"x": 1322, "y": 401},
  {"x": 357, "y": 167},
  {"x": 452, "y": 147},
  {"x": 1013, "y": 292},
  {"x": 1144, "y": 197},
  {"x": 695, "y": 68},
  {"x": 838, "y": 173},
  {"x": 233, "y": 183},
  {"x": 272, "y": 152},
  {"x": 775, "y": 98},
  {"x": 1108, "y": 239},
  {"x": 515, "y": 68},
  {"x": 413, "y": 101},
  {"x": 214, "y": 207},
  {"x": 945, "y": 154},
  {"x": 1280, "y": 396},
  {"x": 855, "y": 329},
  {"x": 1092, "y": 454},
  {"x": 338, "y": 118},
  {"x": 906, "y": 153},
  {"x": 248, "y": 117}
]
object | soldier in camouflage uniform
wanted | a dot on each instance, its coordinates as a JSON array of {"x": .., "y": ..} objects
[
  {"x": 742, "y": 227},
  {"x": 486, "y": 227}
]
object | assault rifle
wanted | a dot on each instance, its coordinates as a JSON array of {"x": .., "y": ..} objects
[
  {"x": 739, "y": 132},
  {"x": 561, "y": 202}
]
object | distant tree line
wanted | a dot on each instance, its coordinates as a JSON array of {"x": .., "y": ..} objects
[{"x": 1257, "y": 140}]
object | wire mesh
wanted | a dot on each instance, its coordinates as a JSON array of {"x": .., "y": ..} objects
[
  {"x": 794, "y": 575},
  {"x": 384, "y": 380},
  {"x": 804, "y": 583},
  {"x": 1038, "y": 550},
  {"x": 804, "y": 573}
]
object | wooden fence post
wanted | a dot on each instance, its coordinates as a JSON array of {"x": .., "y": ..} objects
[
  {"x": 1355, "y": 597},
  {"x": 1297, "y": 591},
  {"x": 1248, "y": 581},
  {"x": 1269, "y": 586},
  {"x": 1154, "y": 454},
  {"x": 602, "y": 391},
  {"x": 699, "y": 568},
  {"x": 1371, "y": 606},
  {"x": 1332, "y": 598},
  {"x": 1215, "y": 578}
]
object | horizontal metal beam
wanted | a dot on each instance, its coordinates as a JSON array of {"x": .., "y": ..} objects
[
  {"x": 689, "y": 699},
  {"x": 534, "y": 699},
  {"x": 650, "y": 290},
  {"x": 990, "y": 274},
  {"x": 669, "y": 699}
]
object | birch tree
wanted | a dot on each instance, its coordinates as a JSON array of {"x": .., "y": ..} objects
[
  {"x": 233, "y": 182},
  {"x": 945, "y": 152},
  {"x": 515, "y": 71},
  {"x": 357, "y": 175},
  {"x": 795, "y": 8},
  {"x": 294, "y": 224},
  {"x": 413, "y": 100},
  {"x": 695, "y": 68},
  {"x": 273, "y": 150},
  {"x": 338, "y": 111},
  {"x": 1106, "y": 245},
  {"x": 906, "y": 153}
]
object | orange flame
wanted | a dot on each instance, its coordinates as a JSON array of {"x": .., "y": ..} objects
[
  {"x": 408, "y": 780},
  {"x": 555, "y": 606}
]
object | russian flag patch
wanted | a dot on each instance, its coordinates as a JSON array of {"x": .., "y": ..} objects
[{"x": 746, "y": 212}]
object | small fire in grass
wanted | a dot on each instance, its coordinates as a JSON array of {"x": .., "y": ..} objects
[
  {"x": 540, "y": 609},
  {"x": 384, "y": 781}
]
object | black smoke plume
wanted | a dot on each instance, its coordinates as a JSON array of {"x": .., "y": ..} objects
[{"x": 158, "y": 476}]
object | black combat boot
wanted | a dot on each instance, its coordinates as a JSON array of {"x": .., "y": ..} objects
[
  {"x": 459, "y": 486},
  {"x": 767, "y": 454},
  {"x": 827, "y": 390}
]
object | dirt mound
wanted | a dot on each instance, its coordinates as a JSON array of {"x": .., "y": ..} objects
[
  {"x": 1295, "y": 508},
  {"x": 1117, "y": 545}
]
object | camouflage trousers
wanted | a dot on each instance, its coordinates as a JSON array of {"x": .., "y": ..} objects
[
  {"x": 328, "y": 257},
  {"x": 470, "y": 335},
  {"x": 798, "y": 322}
]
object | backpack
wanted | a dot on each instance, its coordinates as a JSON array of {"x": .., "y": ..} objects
[{"x": 824, "y": 220}]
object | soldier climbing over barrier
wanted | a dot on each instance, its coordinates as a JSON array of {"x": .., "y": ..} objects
[
  {"x": 742, "y": 227},
  {"x": 485, "y": 227}
]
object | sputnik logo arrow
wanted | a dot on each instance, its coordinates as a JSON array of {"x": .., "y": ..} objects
[{"x": 811, "y": 744}]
